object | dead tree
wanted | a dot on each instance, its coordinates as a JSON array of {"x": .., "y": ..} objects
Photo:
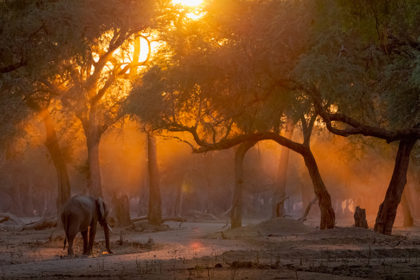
[
  {"x": 308, "y": 208},
  {"x": 360, "y": 218}
]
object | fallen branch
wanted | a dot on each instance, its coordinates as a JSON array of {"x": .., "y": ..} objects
[
  {"x": 142, "y": 218},
  {"x": 174, "y": 219},
  {"x": 43, "y": 223},
  {"x": 308, "y": 208},
  {"x": 9, "y": 216},
  {"x": 227, "y": 212},
  {"x": 167, "y": 219},
  {"x": 202, "y": 215}
]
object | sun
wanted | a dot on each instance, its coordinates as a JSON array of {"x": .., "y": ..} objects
[
  {"x": 189, "y": 3},
  {"x": 195, "y": 8}
]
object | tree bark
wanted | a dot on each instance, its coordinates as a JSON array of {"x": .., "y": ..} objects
[
  {"x": 94, "y": 175},
  {"x": 93, "y": 138},
  {"x": 280, "y": 193},
  {"x": 324, "y": 199},
  {"x": 236, "y": 212},
  {"x": 155, "y": 210},
  {"x": 54, "y": 149},
  {"x": 405, "y": 205},
  {"x": 388, "y": 208}
]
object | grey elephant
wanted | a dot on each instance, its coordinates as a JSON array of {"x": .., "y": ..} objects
[{"x": 81, "y": 214}]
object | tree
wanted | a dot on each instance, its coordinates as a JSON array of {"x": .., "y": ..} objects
[
  {"x": 369, "y": 84},
  {"x": 155, "y": 211},
  {"x": 236, "y": 210},
  {"x": 93, "y": 82},
  {"x": 228, "y": 58},
  {"x": 33, "y": 35}
]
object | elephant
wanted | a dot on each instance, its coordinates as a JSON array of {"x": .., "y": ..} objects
[{"x": 81, "y": 213}]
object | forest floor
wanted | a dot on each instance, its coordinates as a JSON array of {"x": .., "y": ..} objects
[{"x": 276, "y": 249}]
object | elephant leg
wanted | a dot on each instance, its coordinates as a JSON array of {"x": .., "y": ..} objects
[
  {"x": 70, "y": 240},
  {"x": 85, "y": 242},
  {"x": 92, "y": 233}
]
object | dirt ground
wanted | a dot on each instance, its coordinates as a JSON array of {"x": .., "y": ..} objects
[{"x": 275, "y": 249}]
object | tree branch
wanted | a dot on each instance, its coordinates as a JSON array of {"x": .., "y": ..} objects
[{"x": 355, "y": 127}]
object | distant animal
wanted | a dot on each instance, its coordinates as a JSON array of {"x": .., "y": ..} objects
[{"x": 81, "y": 214}]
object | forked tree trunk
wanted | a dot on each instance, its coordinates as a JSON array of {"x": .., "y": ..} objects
[
  {"x": 54, "y": 149},
  {"x": 236, "y": 211},
  {"x": 405, "y": 205},
  {"x": 155, "y": 212},
  {"x": 324, "y": 199},
  {"x": 280, "y": 193},
  {"x": 388, "y": 208}
]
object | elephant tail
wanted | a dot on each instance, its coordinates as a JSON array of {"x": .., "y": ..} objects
[{"x": 65, "y": 240}]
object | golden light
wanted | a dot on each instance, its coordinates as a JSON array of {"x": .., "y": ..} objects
[
  {"x": 188, "y": 3},
  {"x": 194, "y": 8},
  {"x": 195, "y": 16},
  {"x": 144, "y": 50},
  {"x": 196, "y": 245}
]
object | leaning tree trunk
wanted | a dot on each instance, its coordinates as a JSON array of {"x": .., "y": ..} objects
[
  {"x": 388, "y": 208},
  {"x": 405, "y": 205},
  {"x": 236, "y": 212},
  {"x": 155, "y": 210},
  {"x": 280, "y": 193},
  {"x": 54, "y": 149},
  {"x": 324, "y": 199}
]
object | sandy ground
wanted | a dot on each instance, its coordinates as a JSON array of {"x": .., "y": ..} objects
[{"x": 276, "y": 249}]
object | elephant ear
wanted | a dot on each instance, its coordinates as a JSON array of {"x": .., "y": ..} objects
[{"x": 101, "y": 208}]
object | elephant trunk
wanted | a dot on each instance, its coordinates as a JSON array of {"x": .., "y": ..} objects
[{"x": 106, "y": 232}]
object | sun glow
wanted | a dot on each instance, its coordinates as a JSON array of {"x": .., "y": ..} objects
[{"x": 188, "y": 3}]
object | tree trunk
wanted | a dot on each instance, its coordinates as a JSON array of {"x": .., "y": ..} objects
[
  {"x": 408, "y": 217},
  {"x": 177, "y": 212},
  {"x": 280, "y": 193},
  {"x": 388, "y": 209},
  {"x": 360, "y": 218},
  {"x": 324, "y": 199},
  {"x": 54, "y": 149},
  {"x": 121, "y": 209},
  {"x": 143, "y": 195},
  {"x": 236, "y": 212},
  {"x": 93, "y": 138},
  {"x": 94, "y": 175},
  {"x": 155, "y": 211}
]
